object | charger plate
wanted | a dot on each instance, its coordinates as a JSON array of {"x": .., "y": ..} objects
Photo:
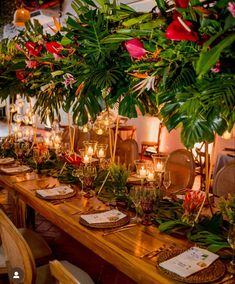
[
  {"x": 212, "y": 273},
  {"x": 6, "y": 161},
  {"x": 57, "y": 196},
  {"x": 105, "y": 225}
]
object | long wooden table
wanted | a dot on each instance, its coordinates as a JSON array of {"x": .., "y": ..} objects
[{"x": 122, "y": 249}]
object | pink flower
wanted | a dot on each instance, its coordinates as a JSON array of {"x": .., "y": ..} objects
[
  {"x": 32, "y": 64},
  {"x": 20, "y": 75},
  {"x": 231, "y": 8},
  {"x": 216, "y": 68},
  {"x": 135, "y": 48},
  {"x": 68, "y": 80}
]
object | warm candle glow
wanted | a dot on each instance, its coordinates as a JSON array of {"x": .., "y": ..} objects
[
  {"x": 90, "y": 151},
  {"x": 27, "y": 133},
  {"x": 101, "y": 153},
  {"x": 159, "y": 167},
  {"x": 143, "y": 172},
  {"x": 86, "y": 159},
  {"x": 99, "y": 131}
]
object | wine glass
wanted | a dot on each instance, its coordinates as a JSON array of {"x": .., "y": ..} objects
[
  {"x": 79, "y": 173},
  {"x": 231, "y": 241},
  {"x": 167, "y": 179},
  {"x": 90, "y": 174},
  {"x": 135, "y": 196}
]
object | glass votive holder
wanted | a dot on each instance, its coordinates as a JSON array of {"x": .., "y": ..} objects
[
  {"x": 86, "y": 159},
  {"x": 90, "y": 147},
  {"x": 99, "y": 128},
  {"x": 141, "y": 168},
  {"x": 101, "y": 151},
  {"x": 159, "y": 161}
]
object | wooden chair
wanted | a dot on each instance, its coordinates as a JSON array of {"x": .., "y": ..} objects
[
  {"x": 224, "y": 181},
  {"x": 155, "y": 144},
  {"x": 201, "y": 165},
  {"x": 18, "y": 254},
  {"x": 181, "y": 165}
]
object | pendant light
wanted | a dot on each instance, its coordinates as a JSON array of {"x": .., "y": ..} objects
[{"x": 21, "y": 16}]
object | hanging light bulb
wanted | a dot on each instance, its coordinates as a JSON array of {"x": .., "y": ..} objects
[{"x": 21, "y": 16}]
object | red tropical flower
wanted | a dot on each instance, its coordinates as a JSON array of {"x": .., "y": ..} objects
[
  {"x": 54, "y": 47},
  {"x": 32, "y": 64},
  {"x": 33, "y": 48},
  {"x": 181, "y": 30},
  {"x": 20, "y": 75},
  {"x": 181, "y": 3},
  {"x": 193, "y": 200},
  {"x": 73, "y": 159},
  {"x": 135, "y": 48}
]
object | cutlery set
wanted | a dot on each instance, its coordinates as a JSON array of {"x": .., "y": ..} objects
[{"x": 119, "y": 229}]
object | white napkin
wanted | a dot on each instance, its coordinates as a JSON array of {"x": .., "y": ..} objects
[
  {"x": 104, "y": 217},
  {"x": 15, "y": 169},
  {"x": 6, "y": 160},
  {"x": 59, "y": 190},
  {"x": 190, "y": 261}
]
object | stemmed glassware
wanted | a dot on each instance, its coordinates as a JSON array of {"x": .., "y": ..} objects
[
  {"x": 79, "y": 173},
  {"x": 231, "y": 241},
  {"x": 135, "y": 196},
  {"x": 167, "y": 179}
]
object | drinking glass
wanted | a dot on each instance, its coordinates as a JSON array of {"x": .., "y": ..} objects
[
  {"x": 79, "y": 173},
  {"x": 90, "y": 174},
  {"x": 167, "y": 179},
  {"x": 231, "y": 241},
  {"x": 135, "y": 196}
]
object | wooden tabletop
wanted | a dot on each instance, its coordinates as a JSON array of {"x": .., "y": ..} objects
[{"x": 122, "y": 249}]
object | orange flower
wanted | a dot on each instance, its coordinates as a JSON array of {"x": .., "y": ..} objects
[{"x": 193, "y": 200}]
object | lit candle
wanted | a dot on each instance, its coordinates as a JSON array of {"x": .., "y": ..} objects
[
  {"x": 85, "y": 129},
  {"x": 99, "y": 131},
  {"x": 150, "y": 176},
  {"x": 101, "y": 153},
  {"x": 159, "y": 167},
  {"x": 56, "y": 145},
  {"x": 27, "y": 133},
  {"x": 19, "y": 134},
  {"x": 86, "y": 159},
  {"x": 143, "y": 172},
  {"x": 15, "y": 129},
  {"x": 57, "y": 139},
  {"x": 90, "y": 151}
]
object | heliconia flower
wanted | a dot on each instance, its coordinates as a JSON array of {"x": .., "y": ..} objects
[
  {"x": 68, "y": 80},
  {"x": 216, "y": 68},
  {"x": 231, "y": 8},
  {"x": 181, "y": 3},
  {"x": 33, "y": 48},
  {"x": 181, "y": 30},
  {"x": 20, "y": 75},
  {"x": 32, "y": 64},
  {"x": 54, "y": 47},
  {"x": 135, "y": 48},
  {"x": 193, "y": 200}
]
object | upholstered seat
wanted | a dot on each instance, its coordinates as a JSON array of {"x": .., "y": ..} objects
[{"x": 224, "y": 181}]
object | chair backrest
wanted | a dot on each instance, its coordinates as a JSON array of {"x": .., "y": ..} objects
[
  {"x": 224, "y": 181},
  {"x": 16, "y": 250},
  {"x": 182, "y": 167},
  {"x": 128, "y": 152},
  {"x": 61, "y": 274}
]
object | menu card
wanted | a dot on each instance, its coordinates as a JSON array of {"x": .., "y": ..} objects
[
  {"x": 15, "y": 169},
  {"x": 104, "y": 217},
  {"x": 190, "y": 261},
  {"x": 59, "y": 190}
]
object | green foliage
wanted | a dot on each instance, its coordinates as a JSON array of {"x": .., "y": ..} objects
[{"x": 227, "y": 206}]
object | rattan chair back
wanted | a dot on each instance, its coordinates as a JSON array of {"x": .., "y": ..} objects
[{"x": 181, "y": 165}]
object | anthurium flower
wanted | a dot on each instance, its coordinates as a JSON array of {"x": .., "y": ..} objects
[
  {"x": 231, "y": 8},
  {"x": 33, "y": 48},
  {"x": 135, "y": 48},
  {"x": 54, "y": 47},
  {"x": 181, "y": 3},
  {"x": 32, "y": 64},
  {"x": 181, "y": 30},
  {"x": 20, "y": 75}
]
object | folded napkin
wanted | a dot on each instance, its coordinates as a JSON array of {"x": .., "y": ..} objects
[
  {"x": 6, "y": 160},
  {"x": 59, "y": 190},
  {"x": 15, "y": 169},
  {"x": 190, "y": 261},
  {"x": 104, "y": 217}
]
